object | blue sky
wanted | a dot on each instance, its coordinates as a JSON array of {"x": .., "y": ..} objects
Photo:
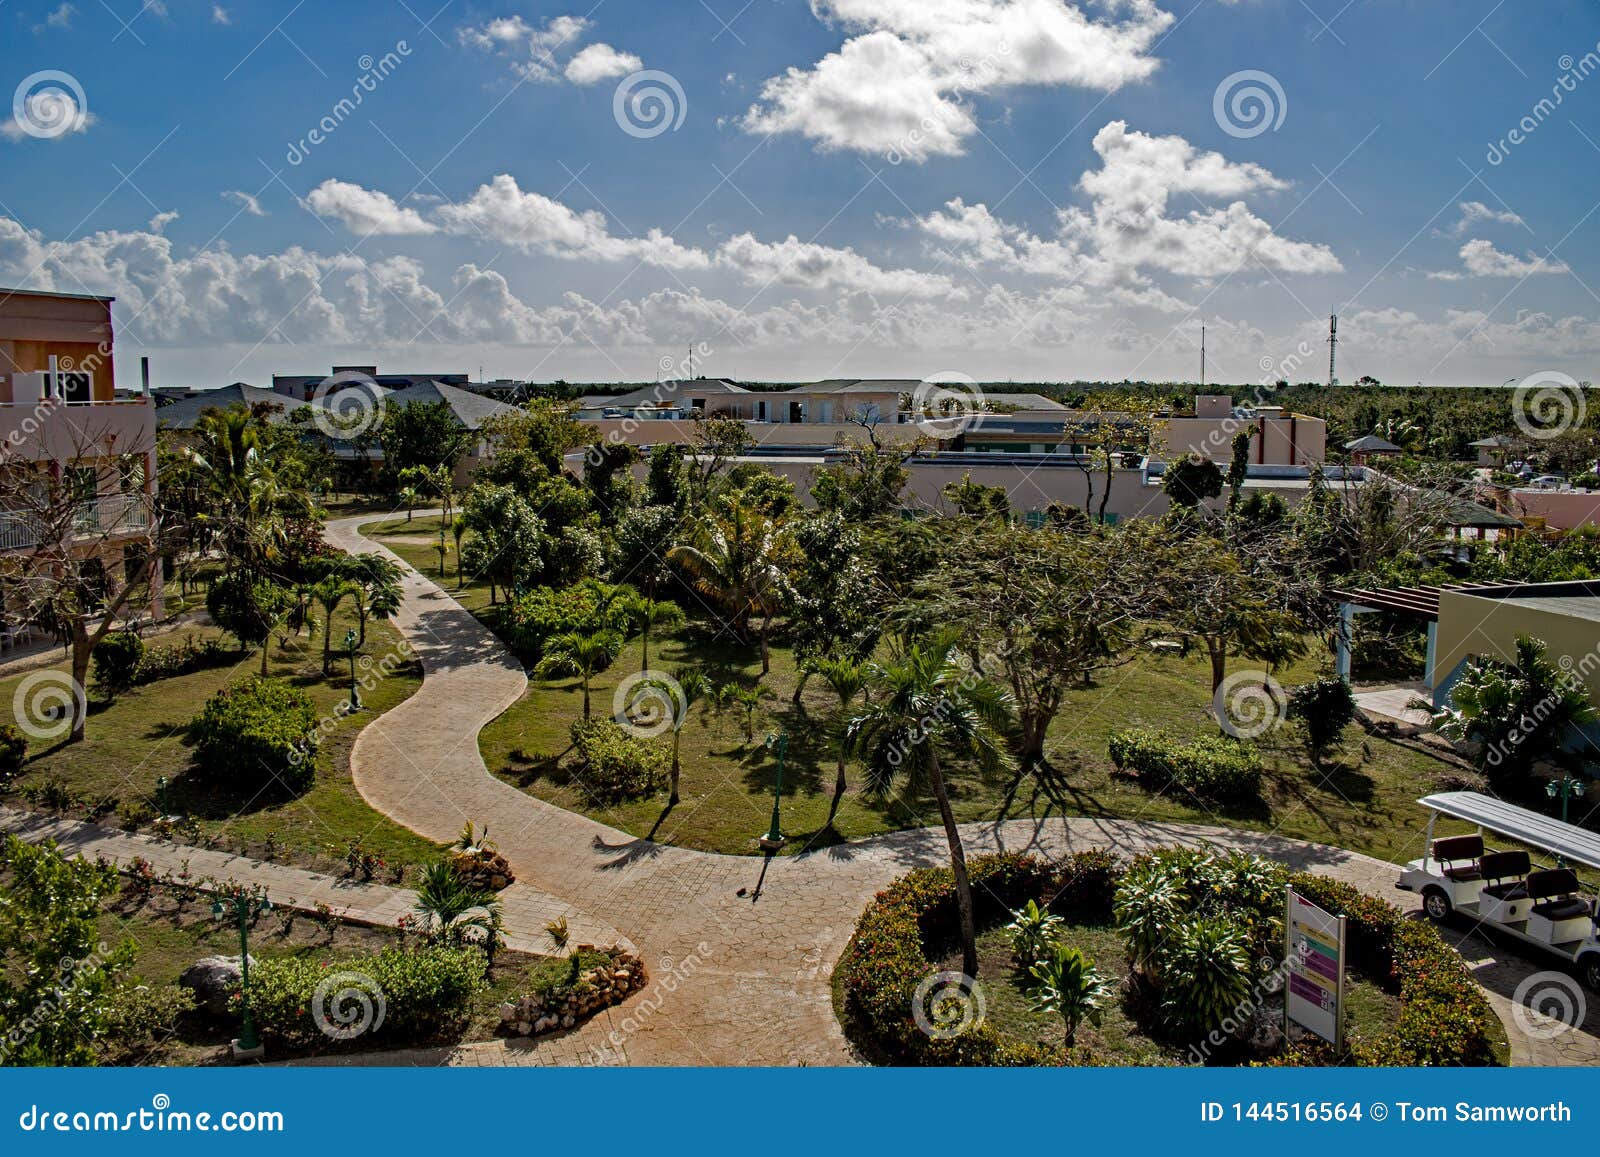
[{"x": 1034, "y": 189}]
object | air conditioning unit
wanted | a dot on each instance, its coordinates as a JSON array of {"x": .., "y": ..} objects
[{"x": 73, "y": 386}]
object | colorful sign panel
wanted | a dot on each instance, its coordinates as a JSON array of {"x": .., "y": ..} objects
[{"x": 1313, "y": 998}]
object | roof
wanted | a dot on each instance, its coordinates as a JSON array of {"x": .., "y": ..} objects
[
  {"x": 4, "y": 293},
  {"x": 858, "y": 386},
  {"x": 1372, "y": 444},
  {"x": 1497, "y": 442},
  {"x": 1579, "y": 598},
  {"x": 1467, "y": 513},
  {"x": 471, "y": 410},
  {"x": 1023, "y": 401},
  {"x": 183, "y": 413},
  {"x": 665, "y": 393},
  {"x": 1528, "y": 827}
]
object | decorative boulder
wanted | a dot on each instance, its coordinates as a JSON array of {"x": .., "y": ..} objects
[{"x": 214, "y": 980}]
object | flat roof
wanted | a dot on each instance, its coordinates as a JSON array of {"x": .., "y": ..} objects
[
  {"x": 4, "y": 293},
  {"x": 1507, "y": 819},
  {"x": 1573, "y": 606}
]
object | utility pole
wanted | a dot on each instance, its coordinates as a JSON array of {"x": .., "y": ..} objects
[
  {"x": 1202, "y": 357},
  {"x": 1333, "y": 347}
]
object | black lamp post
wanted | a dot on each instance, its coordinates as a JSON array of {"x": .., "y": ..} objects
[{"x": 350, "y": 646}]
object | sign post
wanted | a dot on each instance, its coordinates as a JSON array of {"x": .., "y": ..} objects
[{"x": 1314, "y": 962}]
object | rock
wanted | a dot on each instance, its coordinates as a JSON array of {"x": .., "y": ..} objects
[
  {"x": 508, "y": 1012},
  {"x": 568, "y": 1021},
  {"x": 214, "y": 980}
]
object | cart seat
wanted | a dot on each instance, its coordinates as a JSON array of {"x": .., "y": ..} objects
[
  {"x": 1504, "y": 872},
  {"x": 1554, "y": 895},
  {"x": 1458, "y": 856}
]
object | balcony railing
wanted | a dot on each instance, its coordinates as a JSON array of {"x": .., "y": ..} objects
[{"x": 120, "y": 514}]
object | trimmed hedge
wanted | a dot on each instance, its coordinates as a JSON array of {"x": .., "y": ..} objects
[
  {"x": 423, "y": 991},
  {"x": 1444, "y": 1018},
  {"x": 1212, "y": 767},
  {"x": 888, "y": 955},
  {"x": 258, "y": 733}
]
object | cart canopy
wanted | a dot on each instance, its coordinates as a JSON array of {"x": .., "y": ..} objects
[{"x": 1518, "y": 823}]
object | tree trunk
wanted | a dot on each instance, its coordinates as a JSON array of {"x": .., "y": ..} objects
[
  {"x": 586, "y": 698},
  {"x": 766, "y": 655},
  {"x": 644, "y": 650},
  {"x": 838, "y": 788},
  {"x": 327, "y": 644},
  {"x": 82, "y": 646},
  {"x": 361, "y": 640},
  {"x": 1032, "y": 727},
  {"x": 1219, "y": 662},
  {"x": 677, "y": 736},
  {"x": 800, "y": 685},
  {"x": 958, "y": 866}
]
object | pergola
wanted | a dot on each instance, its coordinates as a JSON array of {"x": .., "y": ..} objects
[{"x": 1421, "y": 602}]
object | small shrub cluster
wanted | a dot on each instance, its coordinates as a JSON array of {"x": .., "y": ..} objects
[
  {"x": 566, "y": 990},
  {"x": 544, "y": 613},
  {"x": 1212, "y": 767},
  {"x": 1444, "y": 1018},
  {"x": 184, "y": 658},
  {"x": 53, "y": 795},
  {"x": 614, "y": 765},
  {"x": 141, "y": 1017},
  {"x": 13, "y": 751},
  {"x": 1324, "y": 708},
  {"x": 116, "y": 660},
  {"x": 255, "y": 735},
  {"x": 423, "y": 991}
]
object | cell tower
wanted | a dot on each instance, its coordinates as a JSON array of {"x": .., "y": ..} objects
[{"x": 1333, "y": 347}]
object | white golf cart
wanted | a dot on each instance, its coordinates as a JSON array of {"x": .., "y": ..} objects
[{"x": 1502, "y": 889}]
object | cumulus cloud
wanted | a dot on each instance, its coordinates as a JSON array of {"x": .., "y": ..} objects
[
  {"x": 246, "y": 201},
  {"x": 365, "y": 210},
  {"x": 1476, "y": 212},
  {"x": 1480, "y": 258},
  {"x": 600, "y": 62},
  {"x": 49, "y": 113},
  {"x": 808, "y": 265},
  {"x": 902, "y": 83}
]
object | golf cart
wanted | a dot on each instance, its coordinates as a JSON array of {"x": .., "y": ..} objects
[{"x": 1504, "y": 890}]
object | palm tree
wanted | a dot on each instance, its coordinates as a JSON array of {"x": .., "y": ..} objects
[
  {"x": 847, "y": 678},
  {"x": 926, "y": 700},
  {"x": 1066, "y": 983},
  {"x": 737, "y": 560},
  {"x": 375, "y": 586},
  {"x": 583, "y": 655},
  {"x": 458, "y": 531},
  {"x": 692, "y": 686},
  {"x": 449, "y": 906},
  {"x": 329, "y": 594},
  {"x": 646, "y": 613}
]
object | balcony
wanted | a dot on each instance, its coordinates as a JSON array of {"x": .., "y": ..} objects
[
  {"x": 55, "y": 431},
  {"x": 103, "y": 518}
]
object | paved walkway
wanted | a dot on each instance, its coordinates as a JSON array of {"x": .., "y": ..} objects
[{"x": 739, "y": 976}]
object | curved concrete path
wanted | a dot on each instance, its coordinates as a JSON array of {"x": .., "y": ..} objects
[{"x": 738, "y": 979}]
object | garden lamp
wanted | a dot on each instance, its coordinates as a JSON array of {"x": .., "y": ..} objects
[
  {"x": 779, "y": 742},
  {"x": 350, "y": 646},
  {"x": 244, "y": 908}
]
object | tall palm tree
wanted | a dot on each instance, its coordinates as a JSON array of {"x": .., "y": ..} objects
[
  {"x": 329, "y": 594},
  {"x": 927, "y": 700},
  {"x": 375, "y": 587},
  {"x": 737, "y": 560},
  {"x": 848, "y": 679},
  {"x": 449, "y": 906},
  {"x": 692, "y": 686},
  {"x": 582, "y": 654}
]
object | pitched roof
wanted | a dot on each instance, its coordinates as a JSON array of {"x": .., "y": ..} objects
[
  {"x": 1372, "y": 444},
  {"x": 663, "y": 393},
  {"x": 183, "y": 413},
  {"x": 858, "y": 386},
  {"x": 471, "y": 410}
]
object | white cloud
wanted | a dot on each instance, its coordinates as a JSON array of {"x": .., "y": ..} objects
[
  {"x": 365, "y": 211},
  {"x": 59, "y": 17},
  {"x": 43, "y": 111},
  {"x": 1480, "y": 258},
  {"x": 601, "y": 62},
  {"x": 160, "y": 221},
  {"x": 246, "y": 201},
  {"x": 1474, "y": 212},
  {"x": 1129, "y": 226},
  {"x": 902, "y": 84},
  {"x": 535, "y": 44},
  {"x": 220, "y": 15},
  {"x": 808, "y": 265}
]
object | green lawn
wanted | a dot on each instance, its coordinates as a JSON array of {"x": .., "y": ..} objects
[{"x": 137, "y": 737}]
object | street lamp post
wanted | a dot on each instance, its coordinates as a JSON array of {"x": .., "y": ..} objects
[
  {"x": 774, "y": 840},
  {"x": 161, "y": 796},
  {"x": 1563, "y": 789},
  {"x": 350, "y": 646},
  {"x": 243, "y": 908}
]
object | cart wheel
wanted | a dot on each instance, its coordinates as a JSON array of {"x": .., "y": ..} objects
[
  {"x": 1591, "y": 971},
  {"x": 1436, "y": 904}
]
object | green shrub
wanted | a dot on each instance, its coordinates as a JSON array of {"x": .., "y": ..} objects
[
  {"x": 1206, "y": 973},
  {"x": 616, "y": 765},
  {"x": 116, "y": 660},
  {"x": 258, "y": 734},
  {"x": 13, "y": 750},
  {"x": 165, "y": 662},
  {"x": 1212, "y": 767},
  {"x": 420, "y": 991},
  {"x": 139, "y": 1016},
  {"x": 1324, "y": 708},
  {"x": 536, "y": 616}
]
